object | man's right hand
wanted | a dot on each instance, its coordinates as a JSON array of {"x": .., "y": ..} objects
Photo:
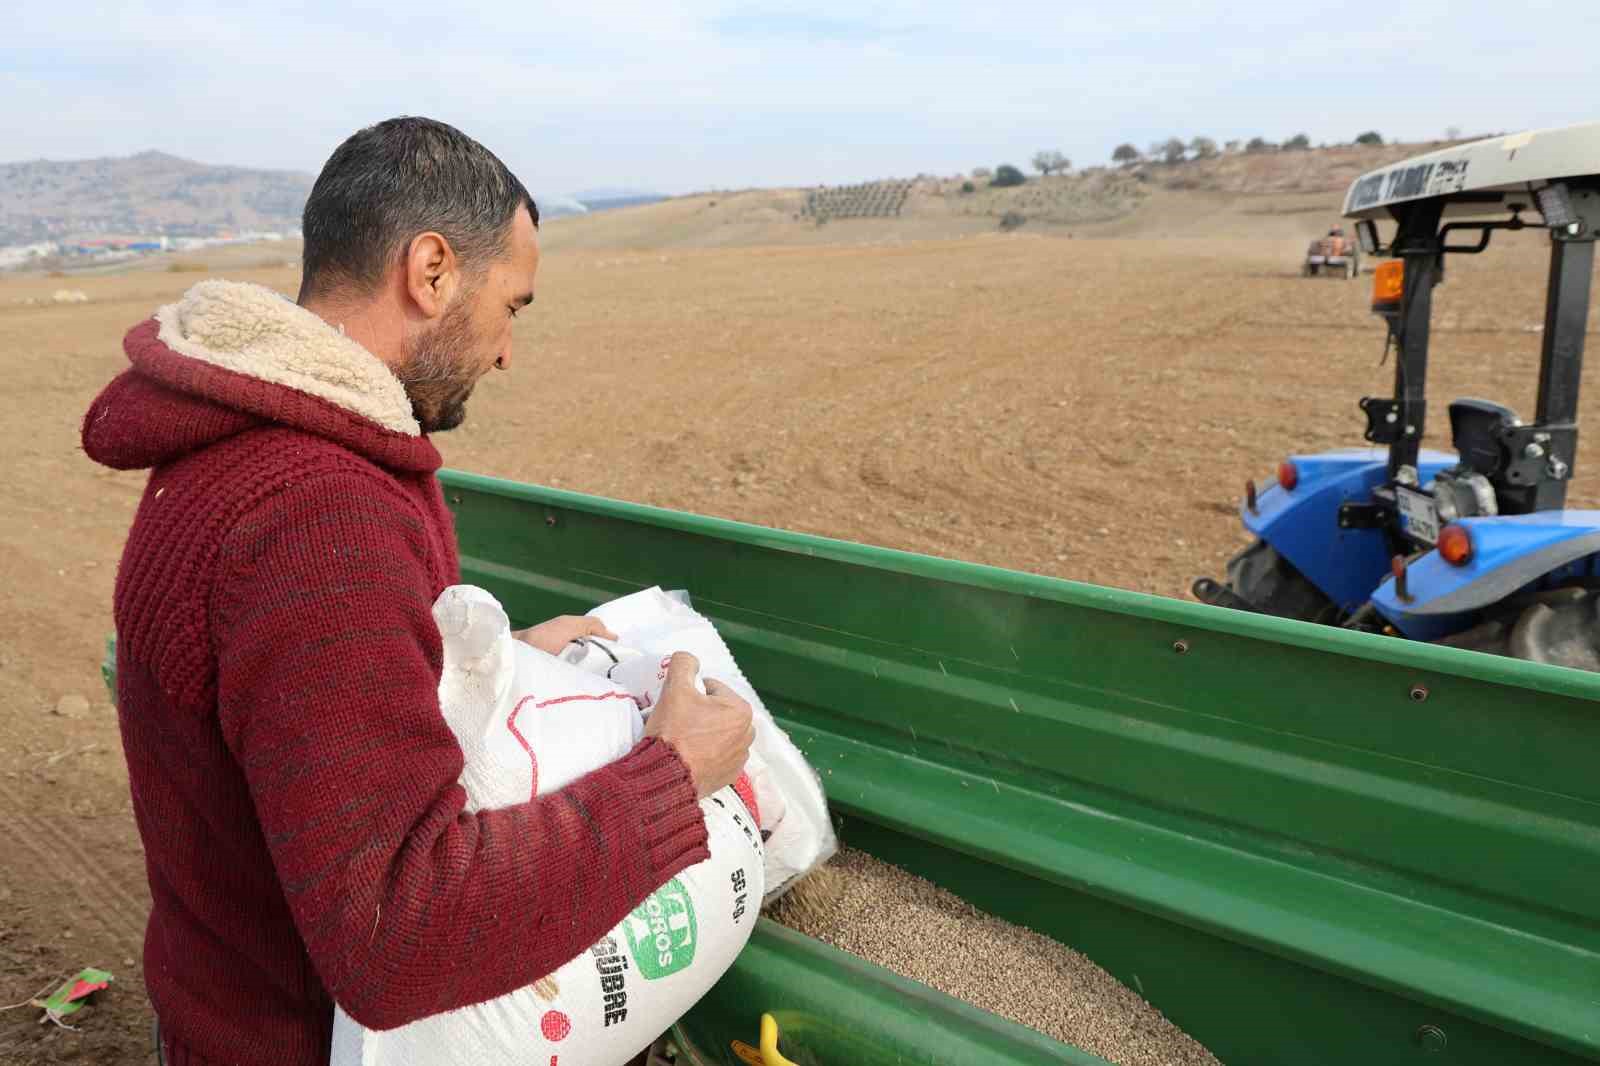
[{"x": 711, "y": 733}]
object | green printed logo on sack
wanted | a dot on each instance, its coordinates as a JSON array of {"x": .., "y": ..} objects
[{"x": 661, "y": 931}]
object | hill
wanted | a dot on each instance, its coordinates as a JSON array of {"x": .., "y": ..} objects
[
  {"x": 1269, "y": 195},
  {"x": 1275, "y": 194},
  {"x": 156, "y": 194},
  {"x": 151, "y": 193}
]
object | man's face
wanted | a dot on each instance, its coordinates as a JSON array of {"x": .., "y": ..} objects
[{"x": 444, "y": 363}]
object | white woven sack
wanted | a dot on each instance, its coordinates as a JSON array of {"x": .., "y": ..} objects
[{"x": 529, "y": 723}]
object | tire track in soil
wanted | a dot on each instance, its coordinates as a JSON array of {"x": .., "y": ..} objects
[{"x": 103, "y": 902}]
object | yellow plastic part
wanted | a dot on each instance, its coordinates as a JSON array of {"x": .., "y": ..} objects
[{"x": 770, "y": 1055}]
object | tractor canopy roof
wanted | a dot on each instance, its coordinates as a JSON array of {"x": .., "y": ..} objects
[{"x": 1482, "y": 177}]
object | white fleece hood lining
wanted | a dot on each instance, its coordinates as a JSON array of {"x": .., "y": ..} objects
[{"x": 254, "y": 331}]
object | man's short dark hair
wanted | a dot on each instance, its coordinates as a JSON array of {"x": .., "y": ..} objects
[{"x": 388, "y": 183}]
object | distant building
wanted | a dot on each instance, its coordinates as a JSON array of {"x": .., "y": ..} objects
[{"x": 17, "y": 255}]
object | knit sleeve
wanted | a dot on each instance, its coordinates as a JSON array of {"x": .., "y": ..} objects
[{"x": 328, "y": 666}]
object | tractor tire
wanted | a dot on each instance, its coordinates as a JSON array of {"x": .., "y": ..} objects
[
  {"x": 1558, "y": 626},
  {"x": 1270, "y": 584}
]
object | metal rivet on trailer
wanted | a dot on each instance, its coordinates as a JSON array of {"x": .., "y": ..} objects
[
  {"x": 1431, "y": 1039},
  {"x": 549, "y": 519},
  {"x": 1418, "y": 693},
  {"x": 1181, "y": 647},
  {"x": 456, "y": 498}
]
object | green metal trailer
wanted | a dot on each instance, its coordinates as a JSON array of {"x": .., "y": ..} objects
[{"x": 1306, "y": 846}]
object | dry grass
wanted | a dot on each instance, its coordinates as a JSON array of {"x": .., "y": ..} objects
[{"x": 1097, "y": 195}]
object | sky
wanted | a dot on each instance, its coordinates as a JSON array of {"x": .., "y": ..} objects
[{"x": 714, "y": 95}]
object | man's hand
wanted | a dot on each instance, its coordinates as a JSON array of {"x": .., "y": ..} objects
[
  {"x": 557, "y": 633},
  {"x": 711, "y": 733}
]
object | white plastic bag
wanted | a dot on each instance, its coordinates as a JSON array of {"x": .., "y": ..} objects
[
  {"x": 651, "y": 625},
  {"x": 529, "y": 723}
]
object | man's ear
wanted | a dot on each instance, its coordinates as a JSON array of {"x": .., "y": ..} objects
[{"x": 432, "y": 273}]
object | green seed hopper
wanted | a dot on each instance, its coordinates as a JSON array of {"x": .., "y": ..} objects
[{"x": 1306, "y": 846}]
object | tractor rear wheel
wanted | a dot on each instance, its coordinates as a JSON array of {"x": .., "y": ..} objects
[
  {"x": 1270, "y": 584},
  {"x": 1559, "y": 626}
]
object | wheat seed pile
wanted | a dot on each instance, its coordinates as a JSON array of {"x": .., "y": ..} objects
[{"x": 918, "y": 930}]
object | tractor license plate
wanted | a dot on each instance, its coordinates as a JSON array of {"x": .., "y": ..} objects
[{"x": 1421, "y": 518}]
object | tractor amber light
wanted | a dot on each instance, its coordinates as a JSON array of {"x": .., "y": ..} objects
[
  {"x": 1288, "y": 475},
  {"x": 1389, "y": 283},
  {"x": 1455, "y": 545}
]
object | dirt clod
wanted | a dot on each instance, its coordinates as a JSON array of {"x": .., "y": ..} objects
[{"x": 72, "y": 706}]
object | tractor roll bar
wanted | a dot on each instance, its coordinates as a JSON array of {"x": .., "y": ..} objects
[
  {"x": 1419, "y": 243},
  {"x": 1553, "y": 438}
]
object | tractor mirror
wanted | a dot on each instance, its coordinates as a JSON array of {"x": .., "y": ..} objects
[{"x": 1367, "y": 234}]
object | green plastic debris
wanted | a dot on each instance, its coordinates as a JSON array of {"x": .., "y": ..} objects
[
  {"x": 73, "y": 994},
  {"x": 108, "y": 668}
]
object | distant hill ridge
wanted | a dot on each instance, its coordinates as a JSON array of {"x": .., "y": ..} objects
[
  {"x": 145, "y": 194},
  {"x": 157, "y": 193},
  {"x": 1276, "y": 194},
  {"x": 1307, "y": 170}
]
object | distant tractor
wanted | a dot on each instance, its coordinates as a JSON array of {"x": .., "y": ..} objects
[
  {"x": 1334, "y": 255},
  {"x": 1473, "y": 548}
]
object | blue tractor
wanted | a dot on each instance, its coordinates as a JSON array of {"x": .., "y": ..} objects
[{"x": 1474, "y": 548}]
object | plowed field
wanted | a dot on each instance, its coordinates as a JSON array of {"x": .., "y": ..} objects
[{"x": 1083, "y": 408}]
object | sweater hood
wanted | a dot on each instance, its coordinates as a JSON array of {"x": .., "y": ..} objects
[{"x": 230, "y": 357}]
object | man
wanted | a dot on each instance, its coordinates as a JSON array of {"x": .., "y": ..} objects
[{"x": 277, "y": 661}]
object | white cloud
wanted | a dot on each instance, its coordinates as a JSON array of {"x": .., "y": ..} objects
[{"x": 716, "y": 93}]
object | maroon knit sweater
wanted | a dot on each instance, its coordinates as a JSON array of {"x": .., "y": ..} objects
[{"x": 293, "y": 780}]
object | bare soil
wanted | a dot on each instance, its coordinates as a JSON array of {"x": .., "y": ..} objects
[{"x": 1086, "y": 409}]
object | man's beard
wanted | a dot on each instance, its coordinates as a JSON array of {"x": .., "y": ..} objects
[{"x": 434, "y": 375}]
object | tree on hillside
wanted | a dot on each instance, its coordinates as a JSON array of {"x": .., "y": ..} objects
[
  {"x": 1370, "y": 137},
  {"x": 982, "y": 172},
  {"x": 1298, "y": 143},
  {"x": 1258, "y": 144},
  {"x": 1452, "y": 133},
  {"x": 1006, "y": 175},
  {"x": 1233, "y": 147},
  {"x": 1202, "y": 148},
  {"x": 1172, "y": 151},
  {"x": 1126, "y": 154},
  {"x": 1050, "y": 161}
]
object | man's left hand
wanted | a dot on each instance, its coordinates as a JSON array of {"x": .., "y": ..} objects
[{"x": 557, "y": 633}]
